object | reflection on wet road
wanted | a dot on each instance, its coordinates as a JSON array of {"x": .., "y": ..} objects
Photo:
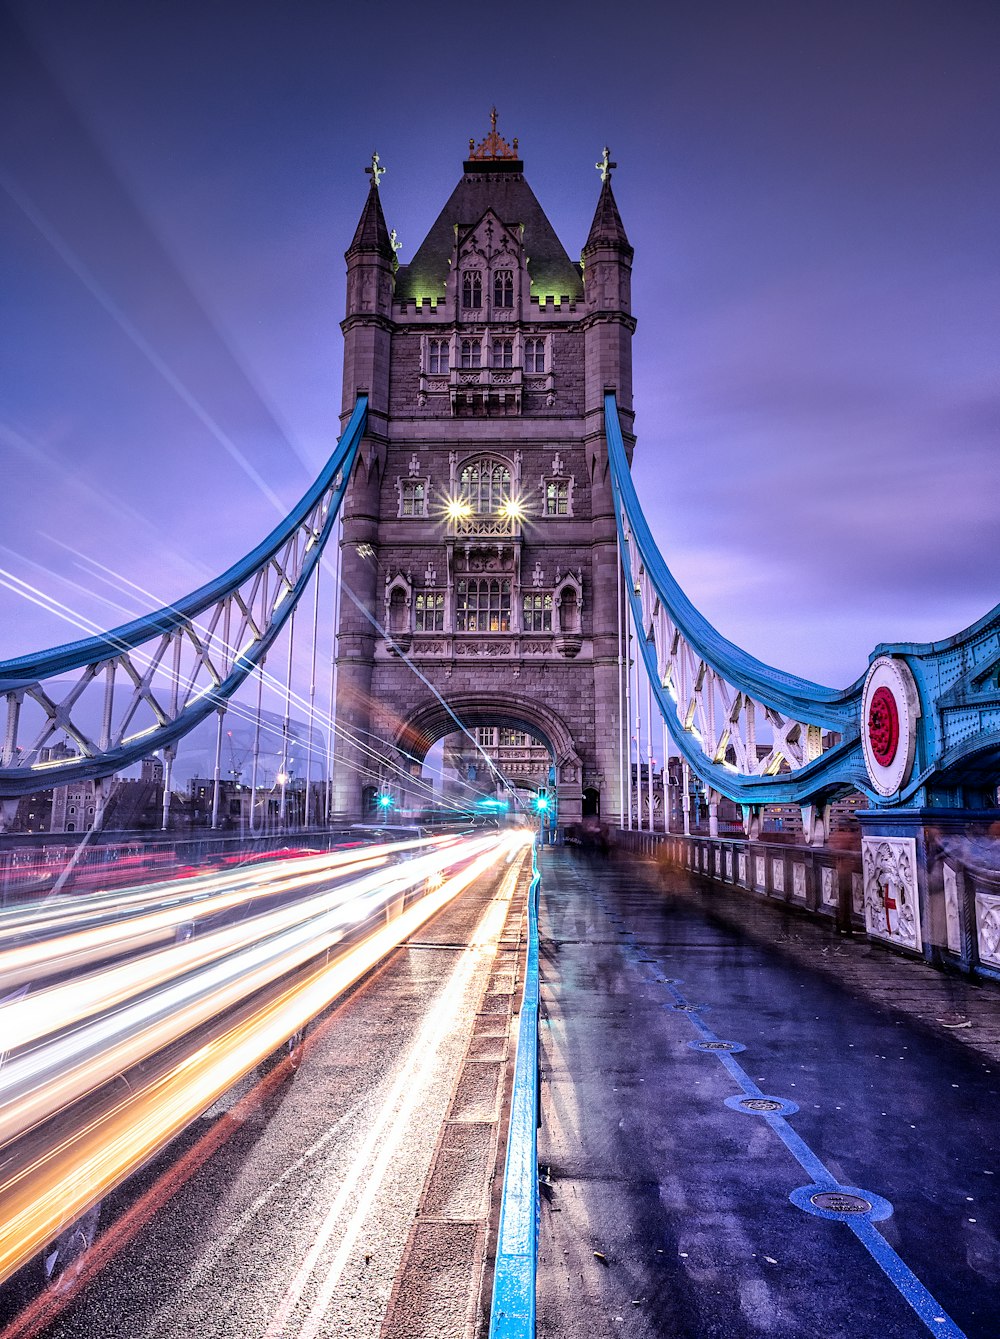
[{"x": 738, "y": 1144}]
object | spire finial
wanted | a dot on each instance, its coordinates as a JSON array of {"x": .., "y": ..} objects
[
  {"x": 605, "y": 166},
  {"x": 494, "y": 146},
  {"x": 375, "y": 171}
]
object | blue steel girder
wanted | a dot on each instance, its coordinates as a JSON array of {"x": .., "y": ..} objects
[
  {"x": 929, "y": 712},
  {"x": 179, "y": 663}
]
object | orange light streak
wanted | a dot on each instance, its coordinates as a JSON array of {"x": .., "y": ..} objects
[
  {"x": 76, "y": 948},
  {"x": 70, "y": 1076},
  {"x": 63, "y": 1181}
]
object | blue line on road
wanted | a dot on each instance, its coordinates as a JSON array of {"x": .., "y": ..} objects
[{"x": 934, "y": 1317}]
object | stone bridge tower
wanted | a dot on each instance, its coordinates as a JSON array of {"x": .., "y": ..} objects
[{"x": 479, "y": 550}]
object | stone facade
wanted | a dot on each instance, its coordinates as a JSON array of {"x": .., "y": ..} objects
[{"x": 479, "y": 550}]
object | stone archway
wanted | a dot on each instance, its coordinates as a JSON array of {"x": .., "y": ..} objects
[{"x": 433, "y": 719}]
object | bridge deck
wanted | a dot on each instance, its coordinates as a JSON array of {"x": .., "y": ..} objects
[{"x": 669, "y": 1211}]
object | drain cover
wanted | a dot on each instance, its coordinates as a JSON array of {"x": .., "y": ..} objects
[
  {"x": 838, "y": 1201},
  {"x": 760, "y": 1104},
  {"x": 841, "y": 1204}
]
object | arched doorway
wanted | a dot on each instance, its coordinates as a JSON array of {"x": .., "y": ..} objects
[{"x": 433, "y": 719}]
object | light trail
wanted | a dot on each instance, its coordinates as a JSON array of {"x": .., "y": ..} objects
[
  {"x": 375, "y": 1155},
  {"x": 62, "y": 1006},
  {"x": 49, "y": 1077},
  {"x": 189, "y": 902},
  {"x": 60, "y": 1182}
]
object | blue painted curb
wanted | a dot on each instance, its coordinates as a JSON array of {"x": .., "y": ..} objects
[{"x": 512, "y": 1312}]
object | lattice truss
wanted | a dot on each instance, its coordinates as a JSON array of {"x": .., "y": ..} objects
[
  {"x": 730, "y": 727},
  {"x": 750, "y": 731},
  {"x": 90, "y": 708}
]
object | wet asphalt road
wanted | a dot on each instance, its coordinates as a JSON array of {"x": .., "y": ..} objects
[
  {"x": 286, "y": 1208},
  {"x": 668, "y": 1212}
]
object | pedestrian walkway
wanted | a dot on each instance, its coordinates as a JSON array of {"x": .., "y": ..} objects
[{"x": 736, "y": 1142}]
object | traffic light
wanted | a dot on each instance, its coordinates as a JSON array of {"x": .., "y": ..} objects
[
  {"x": 385, "y": 801},
  {"x": 541, "y": 802}
]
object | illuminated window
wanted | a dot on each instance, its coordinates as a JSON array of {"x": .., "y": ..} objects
[
  {"x": 514, "y": 739},
  {"x": 413, "y": 497},
  {"x": 534, "y": 355},
  {"x": 437, "y": 356},
  {"x": 538, "y": 612},
  {"x": 430, "y": 611},
  {"x": 503, "y": 353},
  {"x": 482, "y": 605},
  {"x": 557, "y": 497},
  {"x": 503, "y": 288},
  {"x": 472, "y": 352},
  {"x": 472, "y": 289},
  {"x": 485, "y": 486}
]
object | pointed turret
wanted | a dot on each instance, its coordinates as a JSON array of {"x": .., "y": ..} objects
[
  {"x": 607, "y": 228},
  {"x": 371, "y": 265},
  {"x": 607, "y": 255},
  {"x": 371, "y": 234}
]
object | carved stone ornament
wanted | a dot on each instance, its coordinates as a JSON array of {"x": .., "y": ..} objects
[
  {"x": 988, "y": 928},
  {"x": 890, "y": 708},
  {"x": 892, "y": 908},
  {"x": 482, "y": 648},
  {"x": 952, "y": 910},
  {"x": 828, "y": 879}
]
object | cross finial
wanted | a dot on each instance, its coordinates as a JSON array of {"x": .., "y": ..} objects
[
  {"x": 375, "y": 171},
  {"x": 605, "y": 165},
  {"x": 493, "y": 119}
]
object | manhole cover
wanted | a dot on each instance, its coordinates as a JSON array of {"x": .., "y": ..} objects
[
  {"x": 687, "y": 1008},
  {"x": 716, "y": 1046},
  {"x": 838, "y": 1201},
  {"x": 760, "y": 1104}
]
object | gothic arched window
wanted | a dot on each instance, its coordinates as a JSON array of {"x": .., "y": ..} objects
[
  {"x": 503, "y": 353},
  {"x": 472, "y": 289},
  {"x": 538, "y": 612},
  {"x": 503, "y": 288},
  {"x": 437, "y": 360},
  {"x": 485, "y": 486},
  {"x": 534, "y": 355},
  {"x": 471, "y": 352}
]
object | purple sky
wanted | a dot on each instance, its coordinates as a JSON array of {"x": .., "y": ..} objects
[{"x": 812, "y": 191}]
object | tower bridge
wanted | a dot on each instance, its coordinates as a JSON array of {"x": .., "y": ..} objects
[{"x": 477, "y": 543}]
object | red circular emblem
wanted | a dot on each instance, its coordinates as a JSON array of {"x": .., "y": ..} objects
[{"x": 883, "y": 726}]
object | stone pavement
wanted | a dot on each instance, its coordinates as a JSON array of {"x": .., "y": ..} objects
[{"x": 670, "y": 1159}]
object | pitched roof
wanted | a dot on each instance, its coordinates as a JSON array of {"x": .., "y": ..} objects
[
  {"x": 371, "y": 233},
  {"x": 498, "y": 185},
  {"x": 607, "y": 226}
]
